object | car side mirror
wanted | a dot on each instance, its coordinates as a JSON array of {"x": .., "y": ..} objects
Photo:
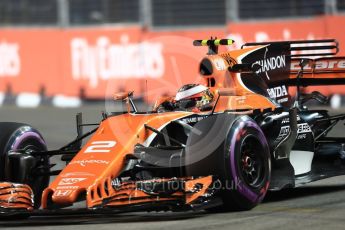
[
  {"x": 122, "y": 95},
  {"x": 127, "y": 97}
]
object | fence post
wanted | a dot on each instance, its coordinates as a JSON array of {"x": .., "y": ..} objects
[
  {"x": 232, "y": 10},
  {"x": 63, "y": 13},
  {"x": 330, "y": 6},
  {"x": 145, "y": 7}
]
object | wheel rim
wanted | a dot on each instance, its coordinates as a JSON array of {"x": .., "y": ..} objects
[{"x": 252, "y": 163}]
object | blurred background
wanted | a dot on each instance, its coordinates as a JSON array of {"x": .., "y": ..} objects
[{"x": 64, "y": 52}]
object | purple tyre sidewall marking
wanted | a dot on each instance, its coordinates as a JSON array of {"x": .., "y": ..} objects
[
  {"x": 27, "y": 135},
  {"x": 242, "y": 188}
]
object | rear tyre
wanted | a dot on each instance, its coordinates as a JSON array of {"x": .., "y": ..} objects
[
  {"x": 18, "y": 136},
  {"x": 241, "y": 161}
]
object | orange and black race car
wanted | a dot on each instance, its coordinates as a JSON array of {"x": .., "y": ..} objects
[{"x": 220, "y": 145}]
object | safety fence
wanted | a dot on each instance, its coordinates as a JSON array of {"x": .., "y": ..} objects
[{"x": 157, "y": 13}]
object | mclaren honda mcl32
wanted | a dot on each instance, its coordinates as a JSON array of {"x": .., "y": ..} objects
[{"x": 217, "y": 145}]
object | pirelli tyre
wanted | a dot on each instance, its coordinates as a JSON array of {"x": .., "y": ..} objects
[
  {"x": 234, "y": 150},
  {"x": 23, "y": 138}
]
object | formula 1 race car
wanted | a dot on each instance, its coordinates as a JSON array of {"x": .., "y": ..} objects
[{"x": 216, "y": 146}]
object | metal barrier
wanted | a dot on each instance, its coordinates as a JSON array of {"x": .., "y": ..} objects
[
  {"x": 267, "y": 9},
  {"x": 91, "y": 12},
  {"x": 25, "y": 13},
  {"x": 188, "y": 13},
  {"x": 157, "y": 13}
]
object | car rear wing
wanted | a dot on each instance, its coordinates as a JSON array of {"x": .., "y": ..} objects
[
  {"x": 305, "y": 48},
  {"x": 322, "y": 67}
]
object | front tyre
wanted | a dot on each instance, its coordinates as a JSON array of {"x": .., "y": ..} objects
[{"x": 18, "y": 136}]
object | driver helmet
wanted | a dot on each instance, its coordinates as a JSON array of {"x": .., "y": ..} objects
[{"x": 194, "y": 96}]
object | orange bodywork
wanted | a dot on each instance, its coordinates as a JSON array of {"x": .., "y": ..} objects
[
  {"x": 240, "y": 98},
  {"x": 16, "y": 196},
  {"x": 101, "y": 160},
  {"x": 94, "y": 171}
]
